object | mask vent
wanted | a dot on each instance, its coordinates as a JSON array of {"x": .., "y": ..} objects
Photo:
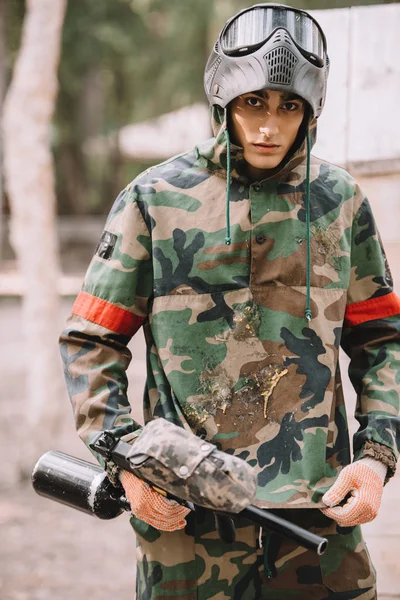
[
  {"x": 281, "y": 63},
  {"x": 211, "y": 72},
  {"x": 281, "y": 36}
]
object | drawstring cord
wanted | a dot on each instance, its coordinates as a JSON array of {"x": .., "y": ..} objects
[
  {"x": 269, "y": 563},
  {"x": 228, "y": 239},
  {"x": 308, "y": 313}
]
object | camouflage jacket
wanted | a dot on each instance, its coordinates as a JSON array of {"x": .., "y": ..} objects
[{"x": 230, "y": 353}]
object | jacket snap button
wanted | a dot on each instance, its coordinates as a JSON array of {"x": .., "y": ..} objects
[
  {"x": 260, "y": 238},
  {"x": 257, "y": 187},
  {"x": 183, "y": 470}
]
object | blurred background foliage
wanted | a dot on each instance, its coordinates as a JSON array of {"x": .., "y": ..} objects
[{"x": 122, "y": 62}]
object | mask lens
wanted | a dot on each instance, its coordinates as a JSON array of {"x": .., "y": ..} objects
[
  {"x": 248, "y": 29},
  {"x": 253, "y": 27}
]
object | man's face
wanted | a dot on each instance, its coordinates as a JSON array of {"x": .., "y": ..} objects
[{"x": 265, "y": 124}]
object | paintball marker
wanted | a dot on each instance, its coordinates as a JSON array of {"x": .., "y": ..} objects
[{"x": 85, "y": 486}]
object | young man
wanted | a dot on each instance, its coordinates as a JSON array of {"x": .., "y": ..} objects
[{"x": 248, "y": 262}]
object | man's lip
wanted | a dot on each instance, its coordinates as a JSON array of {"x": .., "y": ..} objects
[
  {"x": 263, "y": 148},
  {"x": 264, "y": 145}
]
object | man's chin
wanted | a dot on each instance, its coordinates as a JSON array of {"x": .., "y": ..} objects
[{"x": 265, "y": 164}]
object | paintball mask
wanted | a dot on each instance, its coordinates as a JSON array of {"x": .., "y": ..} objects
[{"x": 269, "y": 46}]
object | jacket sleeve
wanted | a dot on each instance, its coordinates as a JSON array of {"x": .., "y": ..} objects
[
  {"x": 371, "y": 338},
  {"x": 109, "y": 310}
]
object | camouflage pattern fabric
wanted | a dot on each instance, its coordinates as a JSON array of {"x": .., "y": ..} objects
[
  {"x": 195, "y": 565},
  {"x": 179, "y": 462},
  {"x": 230, "y": 354}
]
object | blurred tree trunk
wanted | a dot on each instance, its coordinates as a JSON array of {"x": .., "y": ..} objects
[
  {"x": 3, "y": 84},
  {"x": 29, "y": 179}
]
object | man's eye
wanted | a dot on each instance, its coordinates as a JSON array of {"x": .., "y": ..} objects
[
  {"x": 290, "y": 106},
  {"x": 252, "y": 101}
]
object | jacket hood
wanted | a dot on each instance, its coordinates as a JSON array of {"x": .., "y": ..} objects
[{"x": 213, "y": 152}]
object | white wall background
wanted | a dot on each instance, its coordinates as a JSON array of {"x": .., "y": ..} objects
[{"x": 361, "y": 118}]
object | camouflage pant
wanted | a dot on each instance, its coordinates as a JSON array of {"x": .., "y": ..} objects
[{"x": 195, "y": 565}]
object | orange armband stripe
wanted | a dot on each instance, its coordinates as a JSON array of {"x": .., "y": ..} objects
[
  {"x": 106, "y": 314},
  {"x": 375, "y": 308}
]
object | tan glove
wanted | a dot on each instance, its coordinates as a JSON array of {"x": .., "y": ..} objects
[
  {"x": 364, "y": 480},
  {"x": 150, "y": 506}
]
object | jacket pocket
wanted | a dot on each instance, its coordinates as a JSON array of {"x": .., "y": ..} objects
[{"x": 346, "y": 565}]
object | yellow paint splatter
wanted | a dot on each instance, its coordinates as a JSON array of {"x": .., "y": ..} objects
[{"x": 271, "y": 376}]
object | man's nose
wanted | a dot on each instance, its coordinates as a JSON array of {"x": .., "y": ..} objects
[{"x": 269, "y": 125}]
